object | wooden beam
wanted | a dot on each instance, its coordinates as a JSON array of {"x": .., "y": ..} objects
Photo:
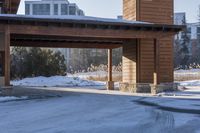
[
  {"x": 110, "y": 83},
  {"x": 49, "y": 44},
  {"x": 85, "y": 32},
  {"x": 156, "y": 76}
]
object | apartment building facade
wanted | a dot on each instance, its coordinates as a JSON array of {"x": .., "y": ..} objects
[
  {"x": 193, "y": 32},
  {"x": 52, "y": 7}
]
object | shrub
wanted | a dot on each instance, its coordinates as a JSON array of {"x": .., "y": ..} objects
[{"x": 29, "y": 62}]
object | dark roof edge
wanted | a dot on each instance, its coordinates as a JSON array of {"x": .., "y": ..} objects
[{"x": 143, "y": 25}]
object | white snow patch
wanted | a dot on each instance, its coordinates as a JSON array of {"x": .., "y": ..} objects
[
  {"x": 190, "y": 71},
  {"x": 190, "y": 83},
  {"x": 11, "y": 98},
  {"x": 187, "y": 89},
  {"x": 55, "y": 81},
  {"x": 95, "y": 74}
]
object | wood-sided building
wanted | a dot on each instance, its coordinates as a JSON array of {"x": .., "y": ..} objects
[
  {"x": 158, "y": 12},
  {"x": 147, "y": 46}
]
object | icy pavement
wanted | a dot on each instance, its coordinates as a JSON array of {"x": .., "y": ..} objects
[{"x": 100, "y": 111}]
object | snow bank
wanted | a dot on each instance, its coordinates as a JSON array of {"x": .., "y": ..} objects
[
  {"x": 56, "y": 81},
  {"x": 11, "y": 98},
  {"x": 190, "y": 83},
  {"x": 191, "y": 71},
  {"x": 97, "y": 74}
]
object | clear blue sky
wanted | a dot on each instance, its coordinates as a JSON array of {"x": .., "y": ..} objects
[{"x": 113, "y": 8}]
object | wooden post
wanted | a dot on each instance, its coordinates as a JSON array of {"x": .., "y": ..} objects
[
  {"x": 110, "y": 83},
  {"x": 7, "y": 56},
  {"x": 156, "y": 76}
]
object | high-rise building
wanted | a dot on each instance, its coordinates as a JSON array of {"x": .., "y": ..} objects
[
  {"x": 193, "y": 32},
  {"x": 54, "y": 8},
  {"x": 179, "y": 18}
]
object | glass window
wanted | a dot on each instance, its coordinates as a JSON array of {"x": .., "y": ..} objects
[
  {"x": 41, "y": 9},
  {"x": 198, "y": 29},
  {"x": 1, "y": 5},
  {"x": 64, "y": 9},
  {"x": 55, "y": 9},
  {"x": 80, "y": 13},
  {"x": 189, "y": 30},
  {"x": 72, "y": 10},
  {"x": 27, "y": 9}
]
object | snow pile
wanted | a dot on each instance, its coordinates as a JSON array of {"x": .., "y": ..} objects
[
  {"x": 191, "y": 71},
  {"x": 55, "y": 81},
  {"x": 86, "y": 75},
  {"x": 188, "y": 89},
  {"x": 11, "y": 98},
  {"x": 95, "y": 74},
  {"x": 190, "y": 83}
]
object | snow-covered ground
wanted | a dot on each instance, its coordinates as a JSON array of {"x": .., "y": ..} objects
[
  {"x": 192, "y": 71},
  {"x": 95, "y": 74},
  {"x": 12, "y": 98},
  {"x": 190, "y": 89},
  {"x": 53, "y": 81},
  {"x": 100, "y": 112}
]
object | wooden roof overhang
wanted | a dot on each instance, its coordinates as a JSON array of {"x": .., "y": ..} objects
[{"x": 73, "y": 33}]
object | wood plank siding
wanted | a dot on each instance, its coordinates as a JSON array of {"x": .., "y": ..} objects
[
  {"x": 159, "y": 12},
  {"x": 129, "y": 61}
]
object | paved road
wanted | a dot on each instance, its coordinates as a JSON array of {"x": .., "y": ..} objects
[{"x": 76, "y": 112}]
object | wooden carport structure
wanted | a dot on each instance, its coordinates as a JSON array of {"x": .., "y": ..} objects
[{"x": 84, "y": 32}]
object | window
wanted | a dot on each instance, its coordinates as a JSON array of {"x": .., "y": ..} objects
[
  {"x": 80, "y": 13},
  {"x": 198, "y": 30},
  {"x": 41, "y": 9},
  {"x": 189, "y": 30},
  {"x": 27, "y": 9},
  {"x": 1, "y": 5},
  {"x": 64, "y": 9},
  {"x": 55, "y": 9},
  {"x": 198, "y": 38},
  {"x": 72, "y": 10}
]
